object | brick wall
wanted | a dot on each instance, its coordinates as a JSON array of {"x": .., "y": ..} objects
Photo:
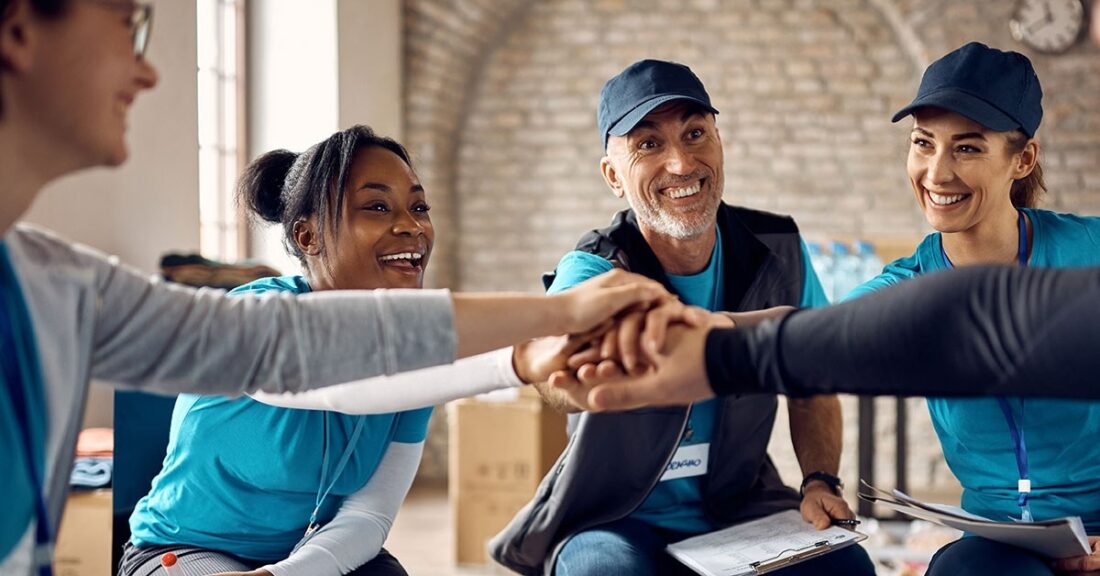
[
  {"x": 501, "y": 100},
  {"x": 446, "y": 44}
]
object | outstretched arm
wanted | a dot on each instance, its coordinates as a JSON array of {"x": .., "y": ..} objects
[
  {"x": 408, "y": 390},
  {"x": 170, "y": 339},
  {"x": 968, "y": 332}
]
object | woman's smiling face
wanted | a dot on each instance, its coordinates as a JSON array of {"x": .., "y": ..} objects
[
  {"x": 960, "y": 171},
  {"x": 384, "y": 236}
]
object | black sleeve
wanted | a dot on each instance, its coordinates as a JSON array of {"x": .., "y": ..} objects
[{"x": 967, "y": 332}]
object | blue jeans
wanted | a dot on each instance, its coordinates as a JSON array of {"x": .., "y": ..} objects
[
  {"x": 974, "y": 556},
  {"x": 633, "y": 548}
]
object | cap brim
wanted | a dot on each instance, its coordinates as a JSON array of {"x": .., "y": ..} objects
[
  {"x": 964, "y": 104},
  {"x": 628, "y": 122}
]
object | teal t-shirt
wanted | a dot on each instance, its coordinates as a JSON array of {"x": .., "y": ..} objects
[
  {"x": 242, "y": 477},
  {"x": 677, "y": 504},
  {"x": 23, "y": 416},
  {"x": 1063, "y": 456}
]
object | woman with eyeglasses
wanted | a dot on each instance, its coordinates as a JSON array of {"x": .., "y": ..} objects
[{"x": 69, "y": 72}]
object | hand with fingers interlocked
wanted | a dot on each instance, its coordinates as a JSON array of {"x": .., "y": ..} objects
[{"x": 650, "y": 359}]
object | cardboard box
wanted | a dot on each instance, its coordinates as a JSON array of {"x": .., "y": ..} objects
[
  {"x": 499, "y": 452},
  {"x": 84, "y": 541}
]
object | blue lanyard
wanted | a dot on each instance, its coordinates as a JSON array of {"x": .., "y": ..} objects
[
  {"x": 1023, "y": 486},
  {"x": 322, "y": 489},
  {"x": 14, "y": 379}
]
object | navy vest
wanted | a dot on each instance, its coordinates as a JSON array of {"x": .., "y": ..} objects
[{"x": 613, "y": 461}]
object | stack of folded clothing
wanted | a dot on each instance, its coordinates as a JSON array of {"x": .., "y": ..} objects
[
  {"x": 194, "y": 270},
  {"x": 94, "y": 464}
]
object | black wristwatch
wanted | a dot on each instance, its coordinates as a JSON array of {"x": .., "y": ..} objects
[{"x": 835, "y": 483}]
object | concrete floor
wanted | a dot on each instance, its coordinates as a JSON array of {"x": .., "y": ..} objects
[{"x": 422, "y": 537}]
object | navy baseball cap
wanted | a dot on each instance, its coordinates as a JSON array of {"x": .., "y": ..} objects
[
  {"x": 996, "y": 89},
  {"x": 640, "y": 89}
]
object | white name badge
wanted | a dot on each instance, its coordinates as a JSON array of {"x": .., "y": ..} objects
[{"x": 689, "y": 461}]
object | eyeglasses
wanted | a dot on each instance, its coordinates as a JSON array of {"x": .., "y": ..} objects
[
  {"x": 141, "y": 21},
  {"x": 141, "y": 24}
]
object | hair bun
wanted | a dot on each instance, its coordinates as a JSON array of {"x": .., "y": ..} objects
[{"x": 261, "y": 184}]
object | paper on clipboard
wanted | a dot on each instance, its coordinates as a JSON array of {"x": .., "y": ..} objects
[
  {"x": 1058, "y": 538},
  {"x": 760, "y": 546}
]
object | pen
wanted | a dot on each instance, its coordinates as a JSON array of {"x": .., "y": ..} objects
[{"x": 845, "y": 523}]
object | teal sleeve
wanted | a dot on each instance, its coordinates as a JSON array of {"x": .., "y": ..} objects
[
  {"x": 412, "y": 426},
  {"x": 295, "y": 284},
  {"x": 813, "y": 295},
  {"x": 874, "y": 284},
  {"x": 576, "y": 267}
]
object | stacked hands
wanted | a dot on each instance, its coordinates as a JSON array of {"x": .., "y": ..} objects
[
  {"x": 600, "y": 366},
  {"x": 648, "y": 353}
]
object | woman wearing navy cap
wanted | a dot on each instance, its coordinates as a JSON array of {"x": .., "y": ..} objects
[{"x": 974, "y": 167}]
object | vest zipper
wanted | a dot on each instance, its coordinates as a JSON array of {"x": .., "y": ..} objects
[{"x": 652, "y": 485}]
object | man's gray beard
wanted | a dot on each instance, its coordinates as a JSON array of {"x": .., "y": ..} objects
[{"x": 665, "y": 224}]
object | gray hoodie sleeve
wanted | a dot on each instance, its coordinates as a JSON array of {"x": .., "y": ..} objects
[
  {"x": 168, "y": 338},
  {"x": 975, "y": 331}
]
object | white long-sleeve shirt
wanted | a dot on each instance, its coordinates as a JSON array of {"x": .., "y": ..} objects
[
  {"x": 356, "y": 534},
  {"x": 362, "y": 524},
  {"x": 408, "y": 390}
]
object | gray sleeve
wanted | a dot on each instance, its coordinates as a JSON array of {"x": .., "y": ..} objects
[{"x": 168, "y": 338}]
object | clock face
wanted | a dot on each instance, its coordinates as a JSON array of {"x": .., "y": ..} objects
[{"x": 1048, "y": 25}]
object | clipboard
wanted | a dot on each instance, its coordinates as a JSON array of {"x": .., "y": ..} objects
[
  {"x": 760, "y": 546},
  {"x": 1055, "y": 538},
  {"x": 800, "y": 555}
]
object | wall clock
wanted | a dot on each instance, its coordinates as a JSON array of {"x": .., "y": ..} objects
[{"x": 1049, "y": 26}]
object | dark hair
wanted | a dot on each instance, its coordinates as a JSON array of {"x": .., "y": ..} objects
[
  {"x": 285, "y": 188},
  {"x": 45, "y": 8},
  {"x": 1027, "y": 190}
]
